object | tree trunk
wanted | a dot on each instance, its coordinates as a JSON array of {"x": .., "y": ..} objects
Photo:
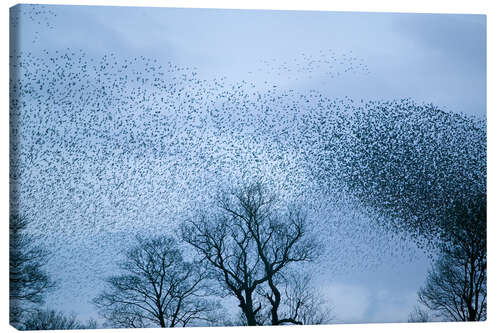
[
  {"x": 248, "y": 310},
  {"x": 162, "y": 320}
]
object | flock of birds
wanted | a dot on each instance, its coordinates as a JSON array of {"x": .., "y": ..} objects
[
  {"x": 104, "y": 149},
  {"x": 32, "y": 15},
  {"x": 323, "y": 66}
]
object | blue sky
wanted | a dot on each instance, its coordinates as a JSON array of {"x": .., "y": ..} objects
[
  {"x": 438, "y": 59},
  {"x": 432, "y": 57}
]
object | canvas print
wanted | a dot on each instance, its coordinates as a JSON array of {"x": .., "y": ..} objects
[{"x": 175, "y": 167}]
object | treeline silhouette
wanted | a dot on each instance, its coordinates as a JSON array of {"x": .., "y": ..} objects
[{"x": 250, "y": 246}]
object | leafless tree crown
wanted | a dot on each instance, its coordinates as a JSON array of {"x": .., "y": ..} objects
[
  {"x": 249, "y": 240},
  {"x": 156, "y": 287}
]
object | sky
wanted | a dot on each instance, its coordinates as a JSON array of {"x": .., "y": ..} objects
[{"x": 438, "y": 59}]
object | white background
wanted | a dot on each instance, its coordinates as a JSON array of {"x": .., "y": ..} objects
[{"x": 421, "y": 6}]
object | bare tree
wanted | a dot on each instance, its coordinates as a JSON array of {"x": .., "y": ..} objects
[
  {"x": 157, "y": 288},
  {"x": 419, "y": 315},
  {"x": 456, "y": 285},
  {"x": 52, "y": 320},
  {"x": 28, "y": 282},
  {"x": 302, "y": 302},
  {"x": 249, "y": 241}
]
